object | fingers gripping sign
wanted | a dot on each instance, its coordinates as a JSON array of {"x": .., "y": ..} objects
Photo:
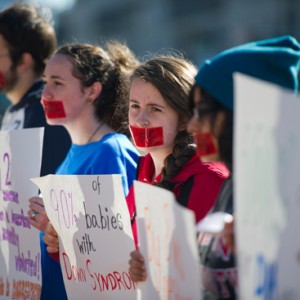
[
  {"x": 50, "y": 238},
  {"x": 37, "y": 214}
]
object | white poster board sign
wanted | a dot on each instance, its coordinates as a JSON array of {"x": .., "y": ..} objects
[
  {"x": 90, "y": 215},
  {"x": 20, "y": 159},
  {"x": 167, "y": 240},
  {"x": 267, "y": 190}
]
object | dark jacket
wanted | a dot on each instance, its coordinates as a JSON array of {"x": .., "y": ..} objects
[
  {"x": 218, "y": 265},
  {"x": 29, "y": 113}
]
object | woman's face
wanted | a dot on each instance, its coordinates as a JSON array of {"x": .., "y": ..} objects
[
  {"x": 63, "y": 92},
  {"x": 205, "y": 132},
  {"x": 148, "y": 109}
]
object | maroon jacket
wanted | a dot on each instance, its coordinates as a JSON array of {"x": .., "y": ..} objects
[{"x": 204, "y": 181}]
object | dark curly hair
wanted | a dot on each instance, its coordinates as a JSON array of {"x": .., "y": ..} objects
[
  {"x": 111, "y": 67},
  {"x": 173, "y": 76}
]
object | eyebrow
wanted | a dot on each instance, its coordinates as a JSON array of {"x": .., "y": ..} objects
[
  {"x": 55, "y": 77},
  {"x": 148, "y": 104}
]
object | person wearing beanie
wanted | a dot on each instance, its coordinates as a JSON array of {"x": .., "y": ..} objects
[{"x": 275, "y": 60}]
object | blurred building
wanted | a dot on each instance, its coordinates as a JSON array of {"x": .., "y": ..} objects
[{"x": 200, "y": 28}]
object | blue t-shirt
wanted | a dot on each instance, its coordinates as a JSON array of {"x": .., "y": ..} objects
[{"x": 113, "y": 154}]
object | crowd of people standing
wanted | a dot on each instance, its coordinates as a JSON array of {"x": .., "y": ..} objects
[{"x": 102, "y": 101}]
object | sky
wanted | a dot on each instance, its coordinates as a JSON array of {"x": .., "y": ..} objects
[{"x": 58, "y": 5}]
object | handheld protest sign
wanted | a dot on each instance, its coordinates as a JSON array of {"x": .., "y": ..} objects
[
  {"x": 20, "y": 159},
  {"x": 90, "y": 215},
  {"x": 267, "y": 147},
  {"x": 167, "y": 239}
]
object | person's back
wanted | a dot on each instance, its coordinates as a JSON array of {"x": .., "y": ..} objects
[{"x": 26, "y": 42}]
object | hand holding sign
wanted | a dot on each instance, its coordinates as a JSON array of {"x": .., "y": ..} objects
[
  {"x": 50, "y": 238},
  {"x": 91, "y": 219},
  {"x": 37, "y": 214},
  {"x": 167, "y": 240},
  {"x": 137, "y": 267}
]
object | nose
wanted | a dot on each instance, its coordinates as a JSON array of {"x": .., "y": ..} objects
[
  {"x": 46, "y": 93},
  {"x": 142, "y": 118},
  {"x": 194, "y": 125}
]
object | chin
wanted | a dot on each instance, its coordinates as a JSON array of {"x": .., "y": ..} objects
[
  {"x": 55, "y": 121},
  {"x": 143, "y": 150}
]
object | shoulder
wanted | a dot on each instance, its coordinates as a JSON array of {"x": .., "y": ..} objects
[
  {"x": 195, "y": 167},
  {"x": 117, "y": 143},
  {"x": 216, "y": 168}
]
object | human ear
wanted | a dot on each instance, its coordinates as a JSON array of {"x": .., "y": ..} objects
[
  {"x": 26, "y": 62},
  {"x": 183, "y": 124},
  {"x": 94, "y": 91}
]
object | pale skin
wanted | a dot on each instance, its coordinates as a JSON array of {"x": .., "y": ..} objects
[
  {"x": 50, "y": 238},
  {"x": 148, "y": 108},
  {"x": 40, "y": 221},
  {"x": 80, "y": 121}
]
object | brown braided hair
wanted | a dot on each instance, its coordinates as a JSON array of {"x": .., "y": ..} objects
[
  {"x": 111, "y": 67},
  {"x": 173, "y": 76}
]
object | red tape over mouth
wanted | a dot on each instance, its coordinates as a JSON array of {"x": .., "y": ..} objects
[
  {"x": 205, "y": 144},
  {"x": 147, "y": 137},
  {"x": 54, "y": 109},
  {"x": 2, "y": 80}
]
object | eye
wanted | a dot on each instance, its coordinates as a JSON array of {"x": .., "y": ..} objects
[
  {"x": 155, "y": 109},
  {"x": 134, "y": 105},
  {"x": 57, "y": 83}
]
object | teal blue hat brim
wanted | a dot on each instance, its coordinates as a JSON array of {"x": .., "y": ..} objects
[{"x": 273, "y": 60}]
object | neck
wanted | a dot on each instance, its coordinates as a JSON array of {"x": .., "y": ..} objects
[
  {"x": 158, "y": 160},
  {"x": 83, "y": 133}
]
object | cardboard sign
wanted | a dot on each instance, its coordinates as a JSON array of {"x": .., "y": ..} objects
[
  {"x": 20, "y": 268},
  {"x": 90, "y": 215},
  {"x": 267, "y": 189},
  {"x": 167, "y": 240}
]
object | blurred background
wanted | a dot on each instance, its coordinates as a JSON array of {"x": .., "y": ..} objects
[{"x": 198, "y": 28}]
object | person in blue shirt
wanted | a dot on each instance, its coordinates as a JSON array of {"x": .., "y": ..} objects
[{"x": 86, "y": 91}]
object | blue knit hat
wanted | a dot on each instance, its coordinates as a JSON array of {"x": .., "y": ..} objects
[{"x": 275, "y": 60}]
